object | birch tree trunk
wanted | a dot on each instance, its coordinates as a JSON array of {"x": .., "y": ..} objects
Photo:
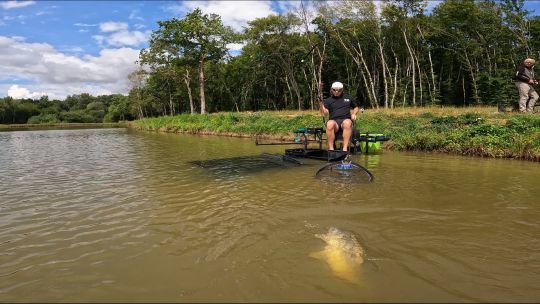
[
  {"x": 419, "y": 79},
  {"x": 384, "y": 68},
  {"x": 370, "y": 79},
  {"x": 187, "y": 81},
  {"x": 171, "y": 103},
  {"x": 319, "y": 71},
  {"x": 473, "y": 77},
  {"x": 201, "y": 86},
  {"x": 433, "y": 90},
  {"x": 361, "y": 64},
  {"x": 413, "y": 68},
  {"x": 395, "y": 79}
]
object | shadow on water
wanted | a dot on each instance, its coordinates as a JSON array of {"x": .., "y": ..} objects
[
  {"x": 328, "y": 173},
  {"x": 241, "y": 165}
]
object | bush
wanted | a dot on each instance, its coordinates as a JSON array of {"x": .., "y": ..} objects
[
  {"x": 523, "y": 123},
  {"x": 77, "y": 116},
  {"x": 44, "y": 119}
]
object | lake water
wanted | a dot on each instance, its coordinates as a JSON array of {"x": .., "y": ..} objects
[{"x": 115, "y": 215}]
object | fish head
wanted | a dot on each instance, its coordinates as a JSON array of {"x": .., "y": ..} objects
[{"x": 345, "y": 241}]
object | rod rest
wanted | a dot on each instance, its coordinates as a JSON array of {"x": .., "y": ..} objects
[
  {"x": 309, "y": 130},
  {"x": 372, "y": 138}
]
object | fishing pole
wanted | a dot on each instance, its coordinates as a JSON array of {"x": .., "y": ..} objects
[{"x": 310, "y": 51}]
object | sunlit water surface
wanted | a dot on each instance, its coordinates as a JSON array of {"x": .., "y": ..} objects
[{"x": 105, "y": 215}]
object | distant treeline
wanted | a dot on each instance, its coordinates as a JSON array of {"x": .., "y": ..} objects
[
  {"x": 82, "y": 108},
  {"x": 387, "y": 53}
]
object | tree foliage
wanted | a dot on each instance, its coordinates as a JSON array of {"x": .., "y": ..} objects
[
  {"x": 395, "y": 54},
  {"x": 197, "y": 39}
]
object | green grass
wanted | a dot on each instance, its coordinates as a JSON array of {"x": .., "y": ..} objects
[
  {"x": 241, "y": 124},
  {"x": 465, "y": 131}
]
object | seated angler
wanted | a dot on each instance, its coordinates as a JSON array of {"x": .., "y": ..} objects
[{"x": 339, "y": 106}]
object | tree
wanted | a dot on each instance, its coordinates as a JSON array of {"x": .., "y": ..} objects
[
  {"x": 197, "y": 38},
  {"x": 79, "y": 102},
  {"x": 280, "y": 43},
  {"x": 119, "y": 109},
  {"x": 138, "y": 80}
]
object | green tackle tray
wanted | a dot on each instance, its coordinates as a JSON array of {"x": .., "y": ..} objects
[{"x": 370, "y": 143}]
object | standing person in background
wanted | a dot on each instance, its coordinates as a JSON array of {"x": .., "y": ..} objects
[
  {"x": 339, "y": 106},
  {"x": 524, "y": 82}
]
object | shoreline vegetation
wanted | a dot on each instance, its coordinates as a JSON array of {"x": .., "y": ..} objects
[
  {"x": 471, "y": 131},
  {"x": 13, "y": 127}
]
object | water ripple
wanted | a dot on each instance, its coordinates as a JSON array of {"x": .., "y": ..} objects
[{"x": 115, "y": 215}]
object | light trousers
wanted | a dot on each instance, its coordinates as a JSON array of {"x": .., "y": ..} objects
[{"x": 527, "y": 96}]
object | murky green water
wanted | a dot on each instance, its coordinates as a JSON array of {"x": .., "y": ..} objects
[{"x": 107, "y": 215}]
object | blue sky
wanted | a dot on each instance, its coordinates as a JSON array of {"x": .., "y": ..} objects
[{"x": 60, "y": 48}]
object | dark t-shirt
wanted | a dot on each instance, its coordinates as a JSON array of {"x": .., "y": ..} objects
[{"x": 340, "y": 107}]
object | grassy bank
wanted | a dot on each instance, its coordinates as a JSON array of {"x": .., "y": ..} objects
[{"x": 467, "y": 131}]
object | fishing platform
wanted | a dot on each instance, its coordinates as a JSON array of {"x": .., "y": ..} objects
[{"x": 337, "y": 160}]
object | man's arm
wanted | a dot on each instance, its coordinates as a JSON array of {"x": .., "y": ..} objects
[
  {"x": 533, "y": 81},
  {"x": 355, "y": 112},
  {"x": 322, "y": 108}
]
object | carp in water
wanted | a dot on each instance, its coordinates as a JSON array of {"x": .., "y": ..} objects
[{"x": 342, "y": 253}]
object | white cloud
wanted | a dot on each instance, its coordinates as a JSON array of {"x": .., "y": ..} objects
[
  {"x": 290, "y": 6},
  {"x": 15, "y": 4},
  {"x": 100, "y": 39},
  {"x": 117, "y": 34},
  {"x": 235, "y": 46},
  {"x": 18, "y": 17},
  {"x": 71, "y": 49},
  {"x": 134, "y": 15},
  {"x": 128, "y": 38},
  {"x": 235, "y": 14},
  {"x": 84, "y": 24},
  {"x": 17, "y": 92},
  {"x": 18, "y": 38},
  {"x": 113, "y": 26},
  {"x": 122, "y": 38},
  {"x": 431, "y": 5},
  {"x": 59, "y": 74}
]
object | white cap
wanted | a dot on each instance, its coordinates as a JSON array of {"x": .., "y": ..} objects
[{"x": 337, "y": 85}]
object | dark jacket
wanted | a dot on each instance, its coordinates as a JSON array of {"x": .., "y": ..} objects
[{"x": 524, "y": 74}]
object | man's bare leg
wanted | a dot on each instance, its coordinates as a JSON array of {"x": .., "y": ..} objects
[
  {"x": 331, "y": 129},
  {"x": 347, "y": 131}
]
